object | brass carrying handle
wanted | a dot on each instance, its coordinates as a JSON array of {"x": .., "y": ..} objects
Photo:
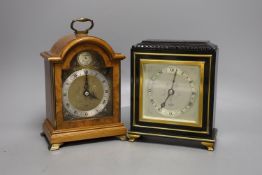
[{"x": 82, "y": 20}]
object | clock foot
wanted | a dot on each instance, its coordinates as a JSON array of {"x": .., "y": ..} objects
[
  {"x": 122, "y": 137},
  {"x": 132, "y": 137},
  {"x": 208, "y": 145},
  {"x": 42, "y": 134},
  {"x": 55, "y": 146}
]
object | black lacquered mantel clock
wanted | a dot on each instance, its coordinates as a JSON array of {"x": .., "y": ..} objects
[
  {"x": 173, "y": 90},
  {"x": 82, "y": 89}
]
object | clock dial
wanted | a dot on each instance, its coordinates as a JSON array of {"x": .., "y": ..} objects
[
  {"x": 86, "y": 93},
  {"x": 171, "y": 92},
  {"x": 84, "y": 58},
  {"x": 175, "y": 100}
]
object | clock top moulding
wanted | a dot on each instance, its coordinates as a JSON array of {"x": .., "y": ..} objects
[{"x": 62, "y": 46}]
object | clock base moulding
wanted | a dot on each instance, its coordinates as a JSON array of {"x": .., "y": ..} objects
[
  {"x": 57, "y": 137},
  {"x": 208, "y": 143}
]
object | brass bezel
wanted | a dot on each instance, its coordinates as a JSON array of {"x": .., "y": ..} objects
[
  {"x": 200, "y": 64},
  {"x": 207, "y": 56}
]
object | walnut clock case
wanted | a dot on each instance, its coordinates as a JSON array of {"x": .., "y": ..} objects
[
  {"x": 82, "y": 89},
  {"x": 173, "y": 90}
]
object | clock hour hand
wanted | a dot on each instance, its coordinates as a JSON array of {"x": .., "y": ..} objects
[
  {"x": 170, "y": 92},
  {"x": 92, "y": 95},
  {"x": 164, "y": 103}
]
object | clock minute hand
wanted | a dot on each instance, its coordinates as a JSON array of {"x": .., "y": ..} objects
[
  {"x": 86, "y": 87},
  {"x": 170, "y": 91},
  {"x": 86, "y": 82},
  {"x": 174, "y": 79}
]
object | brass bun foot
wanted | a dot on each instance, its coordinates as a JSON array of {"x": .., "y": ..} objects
[
  {"x": 122, "y": 137},
  {"x": 208, "y": 145},
  {"x": 55, "y": 146},
  {"x": 132, "y": 137}
]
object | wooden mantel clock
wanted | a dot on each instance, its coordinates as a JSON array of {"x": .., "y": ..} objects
[
  {"x": 173, "y": 85},
  {"x": 82, "y": 89}
]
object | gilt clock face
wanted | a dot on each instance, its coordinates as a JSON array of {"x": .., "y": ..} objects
[
  {"x": 171, "y": 92},
  {"x": 87, "y": 88}
]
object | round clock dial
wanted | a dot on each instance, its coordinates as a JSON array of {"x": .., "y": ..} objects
[
  {"x": 166, "y": 96},
  {"x": 85, "y": 93},
  {"x": 84, "y": 58}
]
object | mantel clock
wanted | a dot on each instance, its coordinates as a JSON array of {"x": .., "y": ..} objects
[
  {"x": 82, "y": 89},
  {"x": 173, "y": 90}
]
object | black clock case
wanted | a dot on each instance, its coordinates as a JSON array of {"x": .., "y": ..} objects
[{"x": 176, "y": 47}]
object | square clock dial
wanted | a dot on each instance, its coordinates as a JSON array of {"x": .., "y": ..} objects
[
  {"x": 170, "y": 92},
  {"x": 173, "y": 90}
]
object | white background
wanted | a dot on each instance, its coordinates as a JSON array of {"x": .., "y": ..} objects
[{"x": 30, "y": 26}]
